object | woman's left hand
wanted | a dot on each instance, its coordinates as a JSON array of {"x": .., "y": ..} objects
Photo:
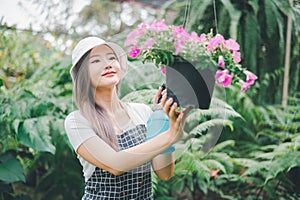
[{"x": 158, "y": 95}]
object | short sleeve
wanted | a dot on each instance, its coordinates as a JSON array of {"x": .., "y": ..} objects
[
  {"x": 142, "y": 110},
  {"x": 78, "y": 129}
]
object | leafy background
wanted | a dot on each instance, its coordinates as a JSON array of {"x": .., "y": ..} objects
[{"x": 257, "y": 155}]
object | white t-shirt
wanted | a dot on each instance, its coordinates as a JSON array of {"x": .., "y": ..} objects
[{"x": 79, "y": 130}]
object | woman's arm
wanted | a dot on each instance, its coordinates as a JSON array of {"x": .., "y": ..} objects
[
  {"x": 163, "y": 166},
  {"x": 100, "y": 154}
]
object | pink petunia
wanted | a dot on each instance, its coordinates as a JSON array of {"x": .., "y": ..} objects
[
  {"x": 144, "y": 26},
  {"x": 148, "y": 44},
  {"x": 202, "y": 38},
  {"x": 180, "y": 34},
  {"x": 177, "y": 47},
  {"x": 221, "y": 62},
  {"x": 134, "y": 51},
  {"x": 251, "y": 78},
  {"x": 236, "y": 56},
  {"x": 223, "y": 77},
  {"x": 244, "y": 85},
  {"x": 132, "y": 37},
  {"x": 232, "y": 45},
  {"x": 180, "y": 37},
  {"x": 215, "y": 42},
  {"x": 159, "y": 26}
]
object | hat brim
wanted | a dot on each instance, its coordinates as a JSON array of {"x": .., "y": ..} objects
[{"x": 119, "y": 52}]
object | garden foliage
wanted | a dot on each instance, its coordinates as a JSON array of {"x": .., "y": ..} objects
[{"x": 256, "y": 156}]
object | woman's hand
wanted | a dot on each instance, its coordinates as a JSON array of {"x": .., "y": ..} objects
[{"x": 175, "y": 118}]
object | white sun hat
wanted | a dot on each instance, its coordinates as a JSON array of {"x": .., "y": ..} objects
[{"x": 89, "y": 43}]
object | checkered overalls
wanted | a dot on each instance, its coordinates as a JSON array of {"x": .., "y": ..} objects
[{"x": 134, "y": 184}]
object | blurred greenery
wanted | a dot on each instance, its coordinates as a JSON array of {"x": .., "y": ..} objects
[{"x": 257, "y": 154}]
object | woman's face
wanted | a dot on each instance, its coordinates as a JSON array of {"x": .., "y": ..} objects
[{"x": 104, "y": 67}]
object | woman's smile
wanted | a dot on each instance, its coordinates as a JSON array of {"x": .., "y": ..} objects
[{"x": 108, "y": 73}]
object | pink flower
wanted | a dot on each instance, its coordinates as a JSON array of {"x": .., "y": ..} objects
[
  {"x": 244, "y": 85},
  {"x": 221, "y": 61},
  {"x": 180, "y": 34},
  {"x": 215, "y": 42},
  {"x": 250, "y": 77},
  {"x": 148, "y": 44},
  {"x": 202, "y": 38},
  {"x": 236, "y": 56},
  {"x": 134, "y": 51},
  {"x": 194, "y": 36},
  {"x": 159, "y": 26},
  {"x": 132, "y": 37},
  {"x": 163, "y": 70},
  {"x": 223, "y": 77},
  {"x": 144, "y": 26},
  {"x": 177, "y": 47},
  {"x": 231, "y": 44}
]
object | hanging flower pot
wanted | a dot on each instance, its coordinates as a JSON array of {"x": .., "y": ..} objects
[
  {"x": 188, "y": 77},
  {"x": 188, "y": 86}
]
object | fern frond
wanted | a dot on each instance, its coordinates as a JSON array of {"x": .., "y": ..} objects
[
  {"x": 217, "y": 102},
  {"x": 199, "y": 129},
  {"x": 214, "y": 164},
  {"x": 220, "y": 146},
  {"x": 259, "y": 167},
  {"x": 223, "y": 158},
  {"x": 283, "y": 163},
  {"x": 219, "y": 112}
]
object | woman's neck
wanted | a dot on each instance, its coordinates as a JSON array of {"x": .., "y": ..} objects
[{"x": 107, "y": 99}]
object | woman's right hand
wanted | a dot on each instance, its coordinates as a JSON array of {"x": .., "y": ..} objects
[{"x": 175, "y": 118}]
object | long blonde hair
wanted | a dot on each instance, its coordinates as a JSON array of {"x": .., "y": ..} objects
[{"x": 84, "y": 98}]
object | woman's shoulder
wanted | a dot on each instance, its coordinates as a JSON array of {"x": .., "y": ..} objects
[
  {"x": 75, "y": 117},
  {"x": 141, "y": 109}
]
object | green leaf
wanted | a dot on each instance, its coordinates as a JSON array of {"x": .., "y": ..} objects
[
  {"x": 254, "y": 4},
  {"x": 34, "y": 133},
  {"x": 245, "y": 162},
  {"x": 16, "y": 124},
  {"x": 250, "y": 40},
  {"x": 283, "y": 164},
  {"x": 235, "y": 15},
  {"x": 271, "y": 16},
  {"x": 259, "y": 167},
  {"x": 211, "y": 123},
  {"x": 222, "y": 145},
  {"x": 11, "y": 169},
  {"x": 203, "y": 186},
  {"x": 214, "y": 165},
  {"x": 283, "y": 6}
]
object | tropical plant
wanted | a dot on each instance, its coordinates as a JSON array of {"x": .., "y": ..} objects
[
  {"x": 258, "y": 159},
  {"x": 35, "y": 154}
]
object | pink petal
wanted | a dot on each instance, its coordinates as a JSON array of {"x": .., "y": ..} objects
[
  {"x": 134, "y": 51},
  {"x": 221, "y": 62},
  {"x": 231, "y": 44},
  {"x": 251, "y": 78}
]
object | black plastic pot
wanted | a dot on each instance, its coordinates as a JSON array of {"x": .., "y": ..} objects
[{"x": 191, "y": 87}]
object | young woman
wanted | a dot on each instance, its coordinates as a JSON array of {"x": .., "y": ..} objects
[{"x": 110, "y": 136}]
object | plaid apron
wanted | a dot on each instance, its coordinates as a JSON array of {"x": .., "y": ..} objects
[{"x": 135, "y": 184}]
